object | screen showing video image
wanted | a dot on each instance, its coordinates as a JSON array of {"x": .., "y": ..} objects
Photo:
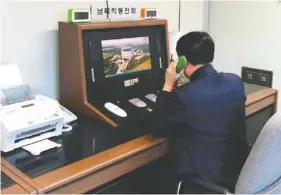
[{"x": 126, "y": 55}]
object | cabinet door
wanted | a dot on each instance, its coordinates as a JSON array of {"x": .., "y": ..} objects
[
  {"x": 255, "y": 123},
  {"x": 150, "y": 179}
]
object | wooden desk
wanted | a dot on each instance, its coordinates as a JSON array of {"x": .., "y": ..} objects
[
  {"x": 94, "y": 171},
  {"x": 258, "y": 100},
  {"x": 261, "y": 104},
  {"x": 18, "y": 186}
]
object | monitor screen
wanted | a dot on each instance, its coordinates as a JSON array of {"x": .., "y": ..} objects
[{"x": 126, "y": 55}]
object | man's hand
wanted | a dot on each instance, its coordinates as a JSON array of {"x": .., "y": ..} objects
[{"x": 171, "y": 76}]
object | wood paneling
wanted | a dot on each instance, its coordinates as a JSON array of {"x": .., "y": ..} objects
[
  {"x": 114, "y": 171},
  {"x": 276, "y": 102},
  {"x": 73, "y": 92},
  {"x": 15, "y": 189},
  {"x": 122, "y": 24},
  {"x": 260, "y": 95},
  {"x": 253, "y": 108},
  {"x": 261, "y": 99},
  {"x": 100, "y": 162},
  {"x": 72, "y": 79},
  {"x": 20, "y": 186}
]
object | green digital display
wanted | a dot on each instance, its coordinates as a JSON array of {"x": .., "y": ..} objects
[{"x": 81, "y": 15}]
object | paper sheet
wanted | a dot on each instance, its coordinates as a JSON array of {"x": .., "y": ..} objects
[
  {"x": 41, "y": 146},
  {"x": 10, "y": 76}
]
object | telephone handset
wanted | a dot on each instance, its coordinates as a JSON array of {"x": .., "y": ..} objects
[
  {"x": 181, "y": 64},
  {"x": 68, "y": 118}
]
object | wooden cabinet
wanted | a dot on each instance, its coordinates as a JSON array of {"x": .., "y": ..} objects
[{"x": 153, "y": 178}]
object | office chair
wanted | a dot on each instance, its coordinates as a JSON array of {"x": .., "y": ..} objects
[{"x": 261, "y": 173}]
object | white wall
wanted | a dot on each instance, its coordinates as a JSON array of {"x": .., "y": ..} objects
[
  {"x": 1, "y": 6},
  {"x": 247, "y": 33},
  {"x": 29, "y": 33},
  {"x": 194, "y": 15}
]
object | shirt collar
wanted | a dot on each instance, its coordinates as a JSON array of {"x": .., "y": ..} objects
[{"x": 203, "y": 71}]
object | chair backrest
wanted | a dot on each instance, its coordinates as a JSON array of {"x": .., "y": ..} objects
[
  {"x": 262, "y": 169},
  {"x": 273, "y": 189}
]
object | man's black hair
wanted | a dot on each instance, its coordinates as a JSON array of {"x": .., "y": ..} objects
[{"x": 197, "y": 47}]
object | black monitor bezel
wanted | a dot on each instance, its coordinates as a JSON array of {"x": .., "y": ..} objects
[{"x": 112, "y": 88}]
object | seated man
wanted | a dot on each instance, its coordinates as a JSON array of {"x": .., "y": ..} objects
[{"x": 205, "y": 118}]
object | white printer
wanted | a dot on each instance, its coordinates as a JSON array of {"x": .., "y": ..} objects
[{"x": 26, "y": 118}]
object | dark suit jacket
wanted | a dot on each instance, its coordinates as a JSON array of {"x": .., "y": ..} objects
[{"x": 205, "y": 121}]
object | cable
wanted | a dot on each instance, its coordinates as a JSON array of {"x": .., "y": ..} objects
[
  {"x": 179, "y": 25},
  {"x": 66, "y": 128},
  {"x": 179, "y": 188},
  {"x": 107, "y": 7}
]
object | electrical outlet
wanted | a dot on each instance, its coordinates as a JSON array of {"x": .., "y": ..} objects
[{"x": 257, "y": 76}]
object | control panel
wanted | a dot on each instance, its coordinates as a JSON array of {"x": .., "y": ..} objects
[
  {"x": 115, "y": 109},
  {"x": 137, "y": 102},
  {"x": 151, "y": 97}
]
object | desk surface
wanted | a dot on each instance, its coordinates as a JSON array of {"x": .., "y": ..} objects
[
  {"x": 6, "y": 181},
  {"x": 88, "y": 138},
  {"x": 12, "y": 184},
  {"x": 252, "y": 88}
]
